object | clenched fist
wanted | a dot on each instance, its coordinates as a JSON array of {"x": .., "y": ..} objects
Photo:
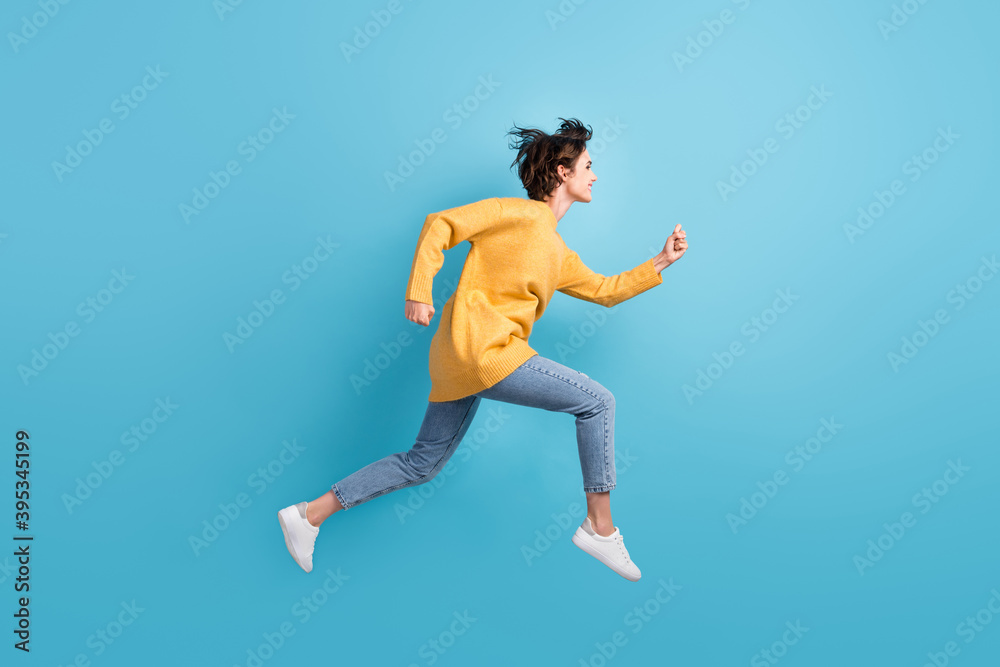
[
  {"x": 676, "y": 244},
  {"x": 419, "y": 312}
]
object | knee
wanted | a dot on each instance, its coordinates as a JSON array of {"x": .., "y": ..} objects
[
  {"x": 420, "y": 468},
  {"x": 603, "y": 396},
  {"x": 603, "y": 400}
]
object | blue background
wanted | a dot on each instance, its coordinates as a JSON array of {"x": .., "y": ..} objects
[{"x": 671, "y": 132}]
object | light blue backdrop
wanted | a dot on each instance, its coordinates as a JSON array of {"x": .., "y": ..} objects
[{"x": 806, "y": 428}]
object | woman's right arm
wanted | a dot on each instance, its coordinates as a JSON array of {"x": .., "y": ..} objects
[{"x": 443, "y": 231}]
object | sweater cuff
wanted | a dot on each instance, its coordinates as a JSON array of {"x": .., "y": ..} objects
[
  {"x": 647, "y": 277},
  {"x": 419, "y": 289}
]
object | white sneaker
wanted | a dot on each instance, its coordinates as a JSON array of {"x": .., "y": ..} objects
[
  {"x": 610, "y": 549},
  {"x": 300, "y": 535}
]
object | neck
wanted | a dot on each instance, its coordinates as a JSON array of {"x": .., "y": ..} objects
[{"x": 559, "y": 203}]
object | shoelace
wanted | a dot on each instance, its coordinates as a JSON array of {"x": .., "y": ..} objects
[{"x": 621, "y": 545}]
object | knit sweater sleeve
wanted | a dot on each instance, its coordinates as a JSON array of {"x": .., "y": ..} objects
[
  {"x": 442, "y": 231},
  {"x": 577, "y": 280}
]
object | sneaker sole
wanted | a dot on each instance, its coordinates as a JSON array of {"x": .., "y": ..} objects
[
  {"x": 582, "y": 540},
  {"x": 288, "y": 540}
]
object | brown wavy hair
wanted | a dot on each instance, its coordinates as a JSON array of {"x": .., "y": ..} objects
[{"x": 539, "y": 154}]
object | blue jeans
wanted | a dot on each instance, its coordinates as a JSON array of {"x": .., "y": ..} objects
[{"x": 538, "y": 382}]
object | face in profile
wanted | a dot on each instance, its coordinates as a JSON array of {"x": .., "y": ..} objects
[{"x": 578, "y": 184}]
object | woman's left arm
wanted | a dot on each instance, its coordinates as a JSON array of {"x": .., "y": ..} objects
[{"x": 577, "y": 280}]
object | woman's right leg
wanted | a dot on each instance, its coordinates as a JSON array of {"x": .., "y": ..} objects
[{"x": 444, "y": 426}]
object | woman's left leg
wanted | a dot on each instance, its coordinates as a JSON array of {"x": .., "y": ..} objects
[{"x": 543, "y": 383}]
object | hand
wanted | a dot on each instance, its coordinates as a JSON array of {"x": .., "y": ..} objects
[
  {"x": 419, "y": 312},
  {"x": 676, "y": 244}
]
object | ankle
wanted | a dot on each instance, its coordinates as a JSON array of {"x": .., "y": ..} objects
[
  {"x": 313, "y": 516},
  {"x": 603, "y": 526}
]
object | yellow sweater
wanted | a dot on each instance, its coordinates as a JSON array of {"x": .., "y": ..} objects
[{"x": 516, "y": 261}]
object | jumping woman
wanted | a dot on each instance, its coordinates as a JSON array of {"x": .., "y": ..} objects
[{"x": 516, "y": 261}]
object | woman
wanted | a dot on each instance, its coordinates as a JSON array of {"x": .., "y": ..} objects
[{"x": 480, "y": 350}]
